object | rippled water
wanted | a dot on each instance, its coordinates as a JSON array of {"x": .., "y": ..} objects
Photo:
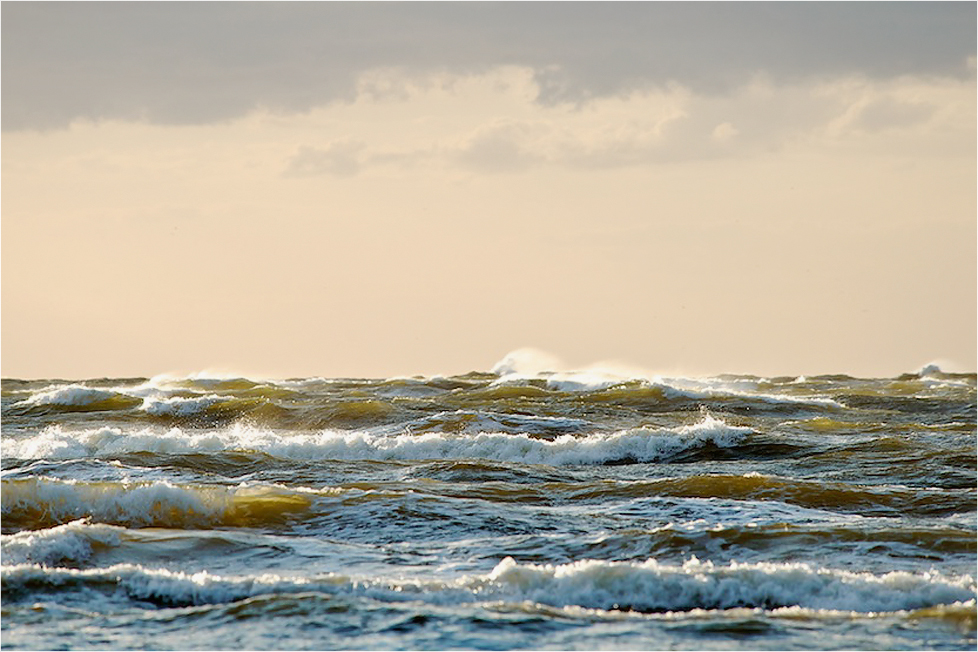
[{"x": 490, "y": 510}]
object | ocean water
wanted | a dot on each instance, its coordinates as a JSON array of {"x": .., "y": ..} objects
[{"x": 506, "y": 509}]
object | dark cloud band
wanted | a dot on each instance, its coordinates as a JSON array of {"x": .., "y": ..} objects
[{"x": 205, "y": 62}]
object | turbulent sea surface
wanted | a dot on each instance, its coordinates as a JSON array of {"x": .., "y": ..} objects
[{"x": 493, "y": 510}]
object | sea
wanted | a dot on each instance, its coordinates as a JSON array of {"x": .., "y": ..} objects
[{"x": 504, "y": 509}]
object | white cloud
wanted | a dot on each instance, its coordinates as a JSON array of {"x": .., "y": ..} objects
[{"x": 491, "y": 123}]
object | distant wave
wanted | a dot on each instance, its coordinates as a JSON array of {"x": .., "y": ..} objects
[
  {"x": 79, "y": 397},
  {"x": 318, "y": 403},
  {"x": 527, "y": 365},
  {"x": 480, "y": 421},
  {"x": 70, "y": 395},
  {"x": 183, "y": 406}
]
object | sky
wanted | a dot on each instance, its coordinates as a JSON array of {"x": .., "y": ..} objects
[{"x": 378, "y": 189}]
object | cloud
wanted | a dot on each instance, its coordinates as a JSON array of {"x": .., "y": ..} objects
[
  {"x": 340, "y": 158},
  {"x": 725, "y": 131},
  {"x": 887, "y": 113},
  {"x": 940, "y": 112},
  {"x": 490, "y": 123},
  {"x": 199, "y": 63},
  {"x": 500, "y": 147}
]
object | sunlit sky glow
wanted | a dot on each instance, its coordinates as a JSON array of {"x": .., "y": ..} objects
[{"x": 378, "y": 189}]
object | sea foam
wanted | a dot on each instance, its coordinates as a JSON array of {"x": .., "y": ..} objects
[
  {"x": 71, "y": 543},
  {"x": 69, "y": 395},
  {"x": 639, "y": 586},
  {"x": 40, "y": 502},
  {"x": 642, "y": 444},
  {"x": 651, "y": 586},
  {"x": 181, "y": 406},
  {"x": 528, "y": 365}
]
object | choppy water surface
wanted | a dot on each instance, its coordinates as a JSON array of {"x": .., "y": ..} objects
[{"x": 491, "y": 510}]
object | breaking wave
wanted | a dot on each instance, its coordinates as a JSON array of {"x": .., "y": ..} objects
[
  {"x": 38, "y": 503},
  {"x": 67, "y": 544},
  {"x": 79, "y": 398},
  {"x": 632, "y": 445},
  {"x": 647, "y": 586}
]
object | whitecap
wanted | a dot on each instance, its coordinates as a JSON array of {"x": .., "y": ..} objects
[
  {"x": 651, "y": 586},
  {"x": 70, "y": 543},
  {"x": 642, "y": 444},
  {"x": 181, "y": 406},
  {"x": 647, "y": 586},
  {"x": 69, "y": 395}
]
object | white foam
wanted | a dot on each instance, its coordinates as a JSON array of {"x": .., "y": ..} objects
[
  {"x": 157, "y": 397},
  {"x": 588, "y": 584},
  {"x": 474, "y": 422},
  {"x": 74, "y": 395},
  {"x": 933, "y": 369},
  {"x": 583, "y": 381},
  {"x": 524, "y": 365},
  {"x": 151, "y": 503},
  {"x": 55, "y": 442},
  {"x": 69, "y": 543},
  {"x": 716, "y": 388},
  {"x": 526, "y": 361},
  {"x": 651, "y": 586},
  {"x": 636, "y": 444},
  {"x": 135, "y": 504},
  {"x": 157, "y": 584},
  {"x": 181, "y": 406}
]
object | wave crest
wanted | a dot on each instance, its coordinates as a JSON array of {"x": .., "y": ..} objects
[
  {"x": 38, "y": 503},
  {"x": 651, "y": 586},
  {"x": 71, "y": 543},
  {"x": 642, "y": 444},
  {"x": 625, "y": 586}
]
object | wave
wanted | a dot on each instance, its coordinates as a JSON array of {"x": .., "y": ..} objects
[
  {"x": 55, "y": 442},
  {"x": 78, "y": 397},
  {"x": 717, "y": 513},
  {"x": 647, "y": 586},
  {"x": 716, "y": 389},
  {"x": 68, "y": 544},
  {"x": 866, "y": 500},
  {"x": 720, "y": 541},
  {"x": 181, "y": 406},
  {"x": 70, "y": 395},
  {"x": 651, "y": 586},
  {"x": 82, "y": 543},
  {"x": 155, "y": 397},
  {"x": 673, "y": 392},
  {"x": 529, "y": 366},
  {"x": 478, "y": 421},
  {"x": 632, "y": 445},
  {"x": 40, "y": 503}
]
